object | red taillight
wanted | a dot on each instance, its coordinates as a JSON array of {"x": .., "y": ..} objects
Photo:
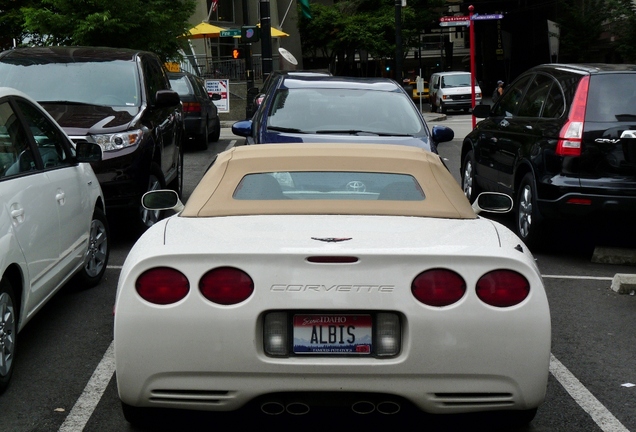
[
  {"x": 162, "y": 285},
  {"x": 571, "y": 135},
  {"x": 502, "y": 288},
  {"x": 190, "y": 107},
  {"x": 438, "y": 287},
  {"x": 226, "y": 285}
]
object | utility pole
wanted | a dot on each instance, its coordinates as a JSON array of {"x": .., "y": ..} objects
[
  {"x": 398, "y": 41},
  {"x": 248, "y": 58},
  {"x": 266, "y": 38}
]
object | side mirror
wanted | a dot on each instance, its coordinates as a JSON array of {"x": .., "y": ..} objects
[
  {"x": 242, "y": 128},
  {"x": 442, "y": 134},
  {"x": 162, "y": 199},
  {"x": 166, "y": 98},
  {"x": 492, "y": 202},
  {"x": 88, "y": 152},
  {"x": 481, "y": 111}
]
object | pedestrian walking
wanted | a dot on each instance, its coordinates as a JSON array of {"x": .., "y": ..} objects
[{"x": 496, "y": 94}]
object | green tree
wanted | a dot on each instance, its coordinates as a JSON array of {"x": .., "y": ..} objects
[
  {"x": 347, "y": 26},
  {"x": 623, "y": 25},
  {"x": 581, "y": 25},
  {"x": 152, "y": 25},
  {"x": 11, "y": 21}
]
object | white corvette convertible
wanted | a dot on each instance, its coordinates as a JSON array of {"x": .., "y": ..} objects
[{"x": 305, "y": 276}]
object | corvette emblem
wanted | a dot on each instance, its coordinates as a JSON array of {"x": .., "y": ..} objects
[{"x": 331, "y": 239}]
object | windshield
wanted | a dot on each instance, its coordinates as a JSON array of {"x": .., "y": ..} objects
[
  {"x": 112, "y": 83},
  {"x": 346, "y": 111},
  {"x": 462, "y": 80}
]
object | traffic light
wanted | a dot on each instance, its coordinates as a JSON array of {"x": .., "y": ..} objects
[
  {"x": 250, "y": 34},
  {"x": 238, "y": 53}
]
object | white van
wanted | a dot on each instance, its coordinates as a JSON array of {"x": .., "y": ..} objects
[{"x": 451, "y": 90}]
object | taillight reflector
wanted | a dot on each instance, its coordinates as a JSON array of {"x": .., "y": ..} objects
[
  {"x": 571, "y": 135},
  {"x": 502, "y": 288},
  {"x": 579, "y": 201},
  {"x": 226, "y": 285},
  {"x": 162, "y": 285},
  {"x": 191, "y": 107},
  {"x": 438, "y": 287}
]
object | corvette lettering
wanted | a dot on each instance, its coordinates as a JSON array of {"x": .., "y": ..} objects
[{"x": 333, "y": 288}]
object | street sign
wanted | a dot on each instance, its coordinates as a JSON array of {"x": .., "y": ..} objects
[
  {"x": 231, "y": 32},
  {"x": 454, "y": 18},
  {"x": 454, "y": 21},
  {"x": 477, "y": 17}
]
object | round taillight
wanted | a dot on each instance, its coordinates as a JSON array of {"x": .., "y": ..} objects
[
  {"x": 226, "y": 285},
  {"x": 162, "y": 285},
  {"x": 502, "y": 288},
  {"x": 438, "y": 287}
]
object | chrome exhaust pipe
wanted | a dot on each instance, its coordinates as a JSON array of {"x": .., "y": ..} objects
[
  {"x": 297, "y": 408},
  {"x": 273, "y": 408},
  {"x": 363, "y": 407},
  {"x": 388, "y": 407}
]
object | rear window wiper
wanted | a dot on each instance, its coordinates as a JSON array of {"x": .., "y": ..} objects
[
  {"x": 285, "y": 129},
  {"x": 625, "y": 117}
]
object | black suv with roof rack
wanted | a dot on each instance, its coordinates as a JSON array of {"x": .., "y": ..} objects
[{"x": 561, "y": 141}]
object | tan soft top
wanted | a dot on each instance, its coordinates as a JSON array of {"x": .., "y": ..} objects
[{"x": 213, "y": 195}]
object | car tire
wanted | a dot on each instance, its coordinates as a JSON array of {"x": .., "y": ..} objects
[
  {"x": 148, "y": 218},
  {"x": 469, "y": 184},
  {"x": 216, "y": 132},
  {"x": 528, "y": 222},
  {"x": 8, "y": 332},
  {"x": 202, "y": 140},
  {"x": 96, "y": 258}
]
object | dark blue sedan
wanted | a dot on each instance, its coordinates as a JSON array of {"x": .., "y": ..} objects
[{"x": 339, "y": 109}]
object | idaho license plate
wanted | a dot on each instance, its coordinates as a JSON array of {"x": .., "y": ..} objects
[{"x": 333, "y": 334}]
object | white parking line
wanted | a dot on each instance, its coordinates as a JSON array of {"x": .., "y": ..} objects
[
  {"x": 577, "y": 277},
  {"x": 601, "y": 416},
  {"x": 90, "y": 397}
]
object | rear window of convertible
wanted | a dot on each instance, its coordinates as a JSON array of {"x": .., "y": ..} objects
[{"x": 331, "y": 185}]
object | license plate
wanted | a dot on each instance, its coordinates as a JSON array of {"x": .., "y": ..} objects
[{"x": 333, "y": 334}]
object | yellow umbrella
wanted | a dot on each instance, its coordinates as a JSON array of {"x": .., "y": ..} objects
[{"x": 204, "y": 30}]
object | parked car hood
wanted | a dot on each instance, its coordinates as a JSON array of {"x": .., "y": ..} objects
[{"x": 82, "y": 119}]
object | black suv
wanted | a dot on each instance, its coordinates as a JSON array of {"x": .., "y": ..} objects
[
  {"x": 561, "y": 141},
  {"x": 118, "y": 98}
]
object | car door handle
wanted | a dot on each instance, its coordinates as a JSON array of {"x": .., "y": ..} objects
[
  {"x": 17, "y": 213},
  {"x": 60, "y": 196}
]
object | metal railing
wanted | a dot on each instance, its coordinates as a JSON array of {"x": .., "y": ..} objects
[{"x": 209, "y": 67}]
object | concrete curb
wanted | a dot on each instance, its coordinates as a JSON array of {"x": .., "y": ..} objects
[{"x": 624, "y": 283}]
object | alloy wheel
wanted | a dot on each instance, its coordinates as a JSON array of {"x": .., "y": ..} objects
[
  {"x": 524, "y": 216},
  {"x": 97, "y": 252},
  {"x": 7, "y": 333}
]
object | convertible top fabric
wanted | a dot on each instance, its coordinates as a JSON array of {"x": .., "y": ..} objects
[{"x": 213, "y": 196}]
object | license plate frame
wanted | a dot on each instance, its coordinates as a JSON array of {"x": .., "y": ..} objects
[{"x": 332, "y": 334}]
